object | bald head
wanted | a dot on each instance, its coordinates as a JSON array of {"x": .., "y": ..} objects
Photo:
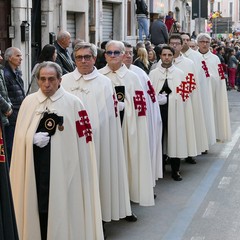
[{"x": 64, "y": 39}]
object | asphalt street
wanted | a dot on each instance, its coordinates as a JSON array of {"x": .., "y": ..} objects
[{"x": 205, "y": 205}]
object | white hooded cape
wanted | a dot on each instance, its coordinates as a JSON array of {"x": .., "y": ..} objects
[
  {"x": 187, "y": 66},
  {"x": 154, "y": 122},
  {"x": 95, "y": 91},
  {"x": 74, "y": 203},
  {"x": 135, "y": 135},
  {"x": 220, "y": 98},
  {"x": 205, "y": 89},
  {"x": 177, "y": 138}
]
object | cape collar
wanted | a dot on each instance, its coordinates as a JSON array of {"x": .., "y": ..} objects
[
  {"x": 206, "y": 55},
  {"x": 188, "y": 52},
  {"x": 178, "y": 59},
  {"x": 58, "y": 94},
  {"x": 77, "y": 75},
  {"x": 164, "y": 70},
  {"x": 120, "y": 72}
]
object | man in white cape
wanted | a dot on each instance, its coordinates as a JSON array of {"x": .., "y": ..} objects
[
  {"x": 74, "y": 210},
  {"x": 166, "y": 78},
  {"x": 219, "y": 89},
  {"x": 95, "y": 91},
  {"x": 202, "y": 78},
  {"x": 134, "y": 125},
  {"x": 153, "y": 114}
]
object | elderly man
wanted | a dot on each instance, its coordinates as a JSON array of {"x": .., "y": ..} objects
[
  {"x": 16, "y": 93},
  {"x": 202, "y": 80},
  {"x": 63, "y": 57},
  {"x": 158, "y": 31},
  {"x": 95, "y": 90},
  {"x": 153, "y": 114},
  {"x": 54, "y": 173},
  {"x": 8, "y": 226},
  {"x": 134, "y": 124},
  {"x": 166, "y": 79},
  {"x": 219, "y": 91}
]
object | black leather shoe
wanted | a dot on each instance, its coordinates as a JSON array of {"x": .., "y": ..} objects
[
  {"x": 176, "y": 176},
  {"x": 132, "y": 218},
  {"x": 190, "y": 160}
]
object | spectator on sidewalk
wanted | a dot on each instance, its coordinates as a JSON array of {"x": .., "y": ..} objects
[
  {"x": 16, "y": 93},
  {"x": 64, "y": 59},
  {"x": 142, "y": 18},
  {"x": 169, "y": 20},
  {"x": 158, "y": 31}
]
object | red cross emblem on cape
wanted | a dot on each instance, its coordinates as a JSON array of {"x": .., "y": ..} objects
[
  {"x": 83, "y": 126},
  {"x": 140, "y": 103},
  {"x": 191, "y": 82},
  {"x": 2, "y": 155},
  {"x": 115, "y": 105},
  {"x": 205, "y": 68},
  {"x": 151, "y": 92},
  {"x": 221, "y": 71},
  {"x": 183, "y": 90}
]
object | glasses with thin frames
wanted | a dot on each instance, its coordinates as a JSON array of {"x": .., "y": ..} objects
[
  {"x": 115, "y": 53},
  {"x": 175, "y": 43},
  {"x": 79, "y": 58},
  {"x": 204, "y": 42}
]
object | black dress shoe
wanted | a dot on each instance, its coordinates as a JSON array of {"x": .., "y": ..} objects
[
  {"x": 190, "y": 160},
  {"x": 132, "y": 218},
  {"x": 176, "y": 176}
]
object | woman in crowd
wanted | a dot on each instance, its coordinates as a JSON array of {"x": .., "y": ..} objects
[
  {"x": 48, "y": 53},
  {"x": 232, "y": 67},
  {"x": 142, "y": 60}
]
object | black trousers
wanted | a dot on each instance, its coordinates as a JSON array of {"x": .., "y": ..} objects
[{"x": 42, "y": 175}]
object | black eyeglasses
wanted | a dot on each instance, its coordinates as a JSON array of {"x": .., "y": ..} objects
[
  {"x": 81, "y": 57},
  {"x": 115, "y": 53}
]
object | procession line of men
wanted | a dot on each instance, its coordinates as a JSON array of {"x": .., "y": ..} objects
[{"x": 79, "y": 160}]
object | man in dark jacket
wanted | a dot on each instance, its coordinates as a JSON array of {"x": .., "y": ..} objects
[
  {"x": 142, "y": 18},
  {"x": 16, "y": 94},
  {"x": 64, "y": 59},
  {"x": 158, "y": 31},
  {"x": 5, "y": 103}
]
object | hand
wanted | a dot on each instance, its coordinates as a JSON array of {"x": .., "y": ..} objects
[
  {"x": 41, "y": 139},
  {"x": 121, "y": 106},
  {"x": 8, "y": 114},
  {"x": 162, "y": 99}
]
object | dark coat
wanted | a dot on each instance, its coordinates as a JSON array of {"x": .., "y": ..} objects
[
  {"x": 5, "y": 103},
  {"x": 15, "y": 88},
  {"x": 159, "y": 32},
  {"x": 64, "y": 59}
]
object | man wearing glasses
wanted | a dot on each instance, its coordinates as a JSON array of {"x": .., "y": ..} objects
[
  {"x": 202, "y": 79},
  {"x": 95, "y": 90},
  {"x": 134, "y": 124},
  {"x": 153, "y": 114},
  {"x": 196, "y": 130},
  {"x": 219, "y": 90}
]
